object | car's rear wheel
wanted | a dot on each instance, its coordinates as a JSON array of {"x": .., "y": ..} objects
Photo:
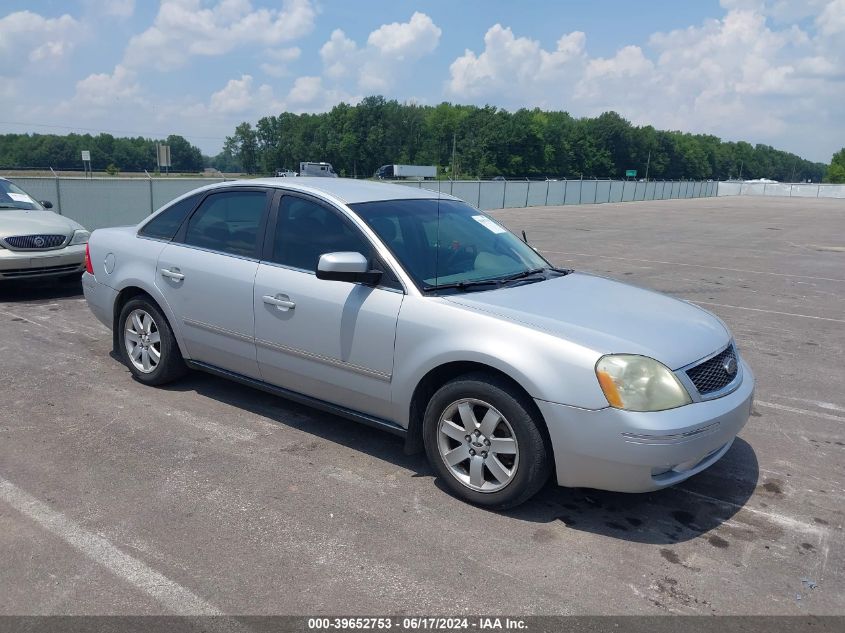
[
  {"x": 482, "y": 438},
  {"x": 147, "y": 344}
]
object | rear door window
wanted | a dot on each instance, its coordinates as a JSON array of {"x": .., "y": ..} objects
[{"x": 228, "y": 222}]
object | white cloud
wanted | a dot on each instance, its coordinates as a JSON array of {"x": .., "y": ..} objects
[
  {"x": 101, "y": 91},
  {"x": 406, "y": 40},
  {"x": 184, "y": 28},
  {"x": 279, "y": 60},
  {"x": 112, "y": 8},
  {"x": 375, "y": 66},
  {"x": 744, "y": 76},
  {"x": 510, "y": 62},
  {"x": 238, "y": 97},
  {"x": 28, "y": 38}
]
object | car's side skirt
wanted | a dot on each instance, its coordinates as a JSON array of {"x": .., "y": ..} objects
[{"x": 357, "y": 416}]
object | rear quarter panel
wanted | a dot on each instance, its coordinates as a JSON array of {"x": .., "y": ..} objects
[{"x": 135, "y": 260}]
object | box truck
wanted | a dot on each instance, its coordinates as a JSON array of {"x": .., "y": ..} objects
[{"x": 392, "y": 172}]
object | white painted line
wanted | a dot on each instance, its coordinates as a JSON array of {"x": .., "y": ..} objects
[
  {"x": 788, "y": 522},
  {"x": 657, "y": 261},
  {"x": 812, "y": 414},
  {"x": 822, "y": 405},
  {"x": 793, "y": 314},
  {"x": 170, "y": 594}
]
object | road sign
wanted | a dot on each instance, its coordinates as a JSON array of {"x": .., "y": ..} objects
[
  {"x": 164, "y": 155},
  {"x": 630, "y": 173},
  {"x": 86, "y": 155}
]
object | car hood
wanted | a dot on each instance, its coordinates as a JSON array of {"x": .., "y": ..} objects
[
  {"x": 23, "y": 222},
  {"x": 607, "y": 316}
]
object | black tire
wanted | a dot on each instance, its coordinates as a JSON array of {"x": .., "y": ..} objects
[
  {"x": 172, "y": 366},
  {"x": 534, "y": 464}
]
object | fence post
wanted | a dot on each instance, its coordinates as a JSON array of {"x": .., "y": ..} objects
[
  {"x": 150, "y": 180},
  {"x": 479, "y": 194},
  {"x": 565, "y": 187},
  {"x": 547, "y": 192},
  {"x": 527, "y": 189},
  {"x": 580, "y": 188},
  {"x": 595, "y": 189},
  {"x": 58, "y": 193},
  {"x": 504, "y": 193}
]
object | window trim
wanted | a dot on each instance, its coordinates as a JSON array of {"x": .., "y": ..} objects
[
  {"x": 266, "y": 256},
  {"x": 179, "y": 237},
  {"x": 191, "y": 194}
]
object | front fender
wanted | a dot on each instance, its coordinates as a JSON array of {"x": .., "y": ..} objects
[{"x": 432, "y": 332}]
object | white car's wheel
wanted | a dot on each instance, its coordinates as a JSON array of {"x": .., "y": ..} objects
[
  {"x": 147, "y": 344},
  {"x": 482, "y": 438}
]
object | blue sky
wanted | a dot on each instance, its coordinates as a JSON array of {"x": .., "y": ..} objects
[{"x": 768, "y": 71}]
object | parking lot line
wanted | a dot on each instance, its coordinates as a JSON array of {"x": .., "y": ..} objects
[
  {"x": 656, "y": 261},
  {"x": 792, "y": 314},
  {"x": 170, "y": 594},
  {"x": 813, "y": 414}
]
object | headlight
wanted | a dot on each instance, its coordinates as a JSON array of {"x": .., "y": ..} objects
[
  {"x": 79, "y": 237},
  {"x": 639, "y": 383}
]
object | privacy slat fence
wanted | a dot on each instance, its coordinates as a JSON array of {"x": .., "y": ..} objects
[{"x": 101, "y": 202}]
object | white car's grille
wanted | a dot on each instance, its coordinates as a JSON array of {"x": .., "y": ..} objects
[{"x": 35, "y": 242}]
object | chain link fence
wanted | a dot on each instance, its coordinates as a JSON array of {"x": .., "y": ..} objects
[
  {"x": 782, "y": 189},
  {"x": 101, "y": 202}
]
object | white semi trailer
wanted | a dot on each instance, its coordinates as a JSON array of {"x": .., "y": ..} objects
[{"x": 390, "y": 172}]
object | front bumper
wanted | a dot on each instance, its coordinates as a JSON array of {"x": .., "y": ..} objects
[
  {"x": 54, "y": 263},
  {"x": 629, "y": 451}
]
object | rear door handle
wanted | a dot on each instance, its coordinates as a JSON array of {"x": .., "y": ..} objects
[
  {"x": 172, "y": 274},
  {"x": 282, "y": 302}
]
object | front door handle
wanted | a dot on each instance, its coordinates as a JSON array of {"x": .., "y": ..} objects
[
  {"x": 282, "y": 302},
  {"x": 174, "y": 274}
]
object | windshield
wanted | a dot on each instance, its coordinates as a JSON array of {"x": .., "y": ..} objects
[
  {"x": 13, "y": 197},
  {"x": 447, "y": 242}
]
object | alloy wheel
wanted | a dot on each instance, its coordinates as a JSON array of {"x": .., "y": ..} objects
[
  {"x": 478, "y": 445},
  {"x": 142, "y": 340}
]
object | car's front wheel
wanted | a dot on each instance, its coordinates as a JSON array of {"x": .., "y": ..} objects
[
  {"x": 482, "y": 438},
  {"x": 147, "y": 344}
]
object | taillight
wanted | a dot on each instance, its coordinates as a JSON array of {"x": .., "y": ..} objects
[{"x": 88, "y": 267}]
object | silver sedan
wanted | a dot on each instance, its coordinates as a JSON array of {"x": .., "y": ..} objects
[
  {"x": 34, "y": 241},
  {"x": 420, "y": 315}
]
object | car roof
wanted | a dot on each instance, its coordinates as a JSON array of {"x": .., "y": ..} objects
[{"x": 347, "y": 190}]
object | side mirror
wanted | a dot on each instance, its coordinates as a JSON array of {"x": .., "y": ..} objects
[
  {"x": 347, "y": 266},
  {"x": 46, "y": 204}
]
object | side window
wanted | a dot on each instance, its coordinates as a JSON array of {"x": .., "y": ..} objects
[
  {"x": 305, "y": 230},
  {"x": 228, "y": 222},
  {"x": 164, "y": 225}
]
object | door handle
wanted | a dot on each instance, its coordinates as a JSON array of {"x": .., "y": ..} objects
[
  {"x": 174, "y": 274},
  {"x": 282, "y": 302}
]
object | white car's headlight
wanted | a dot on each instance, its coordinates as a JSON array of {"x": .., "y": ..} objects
[
  {"x": 79, "y": 237},
  {"x": 639, "y": 383}
]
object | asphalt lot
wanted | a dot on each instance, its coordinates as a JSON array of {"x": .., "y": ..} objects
[{"x": 209, "y": 497}]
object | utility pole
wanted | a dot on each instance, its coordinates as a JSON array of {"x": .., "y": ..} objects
[
  {"x": 647, "y": 163},
  {"x": 453, "y": 155}
]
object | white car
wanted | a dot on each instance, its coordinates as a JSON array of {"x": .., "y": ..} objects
[
  {"x": 35, "y": 241},
  {"x": 421, "y": 315}
]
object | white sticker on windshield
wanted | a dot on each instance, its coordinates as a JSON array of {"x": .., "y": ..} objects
[
  {"x": 488, "y": 224},
  {"x": 19, "y": 197}
]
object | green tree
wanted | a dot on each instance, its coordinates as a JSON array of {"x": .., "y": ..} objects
[{"x": 836, "y": 171}]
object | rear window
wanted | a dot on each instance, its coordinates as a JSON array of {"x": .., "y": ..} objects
[{"x": 164, "y": 225}]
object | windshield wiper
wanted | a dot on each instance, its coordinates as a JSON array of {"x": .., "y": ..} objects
[
  {"x": 463, "y": 285},
  {"x": 522, "y": 275}
]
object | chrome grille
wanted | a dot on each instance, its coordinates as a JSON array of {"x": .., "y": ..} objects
[
  {"x": 35, "y": 242},
  {"x": 711, "y": 375}
]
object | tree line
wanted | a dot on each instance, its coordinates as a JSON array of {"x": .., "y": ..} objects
[
  {"x": 63, "y": 152},
  {"x": 483, "y": 142}
]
